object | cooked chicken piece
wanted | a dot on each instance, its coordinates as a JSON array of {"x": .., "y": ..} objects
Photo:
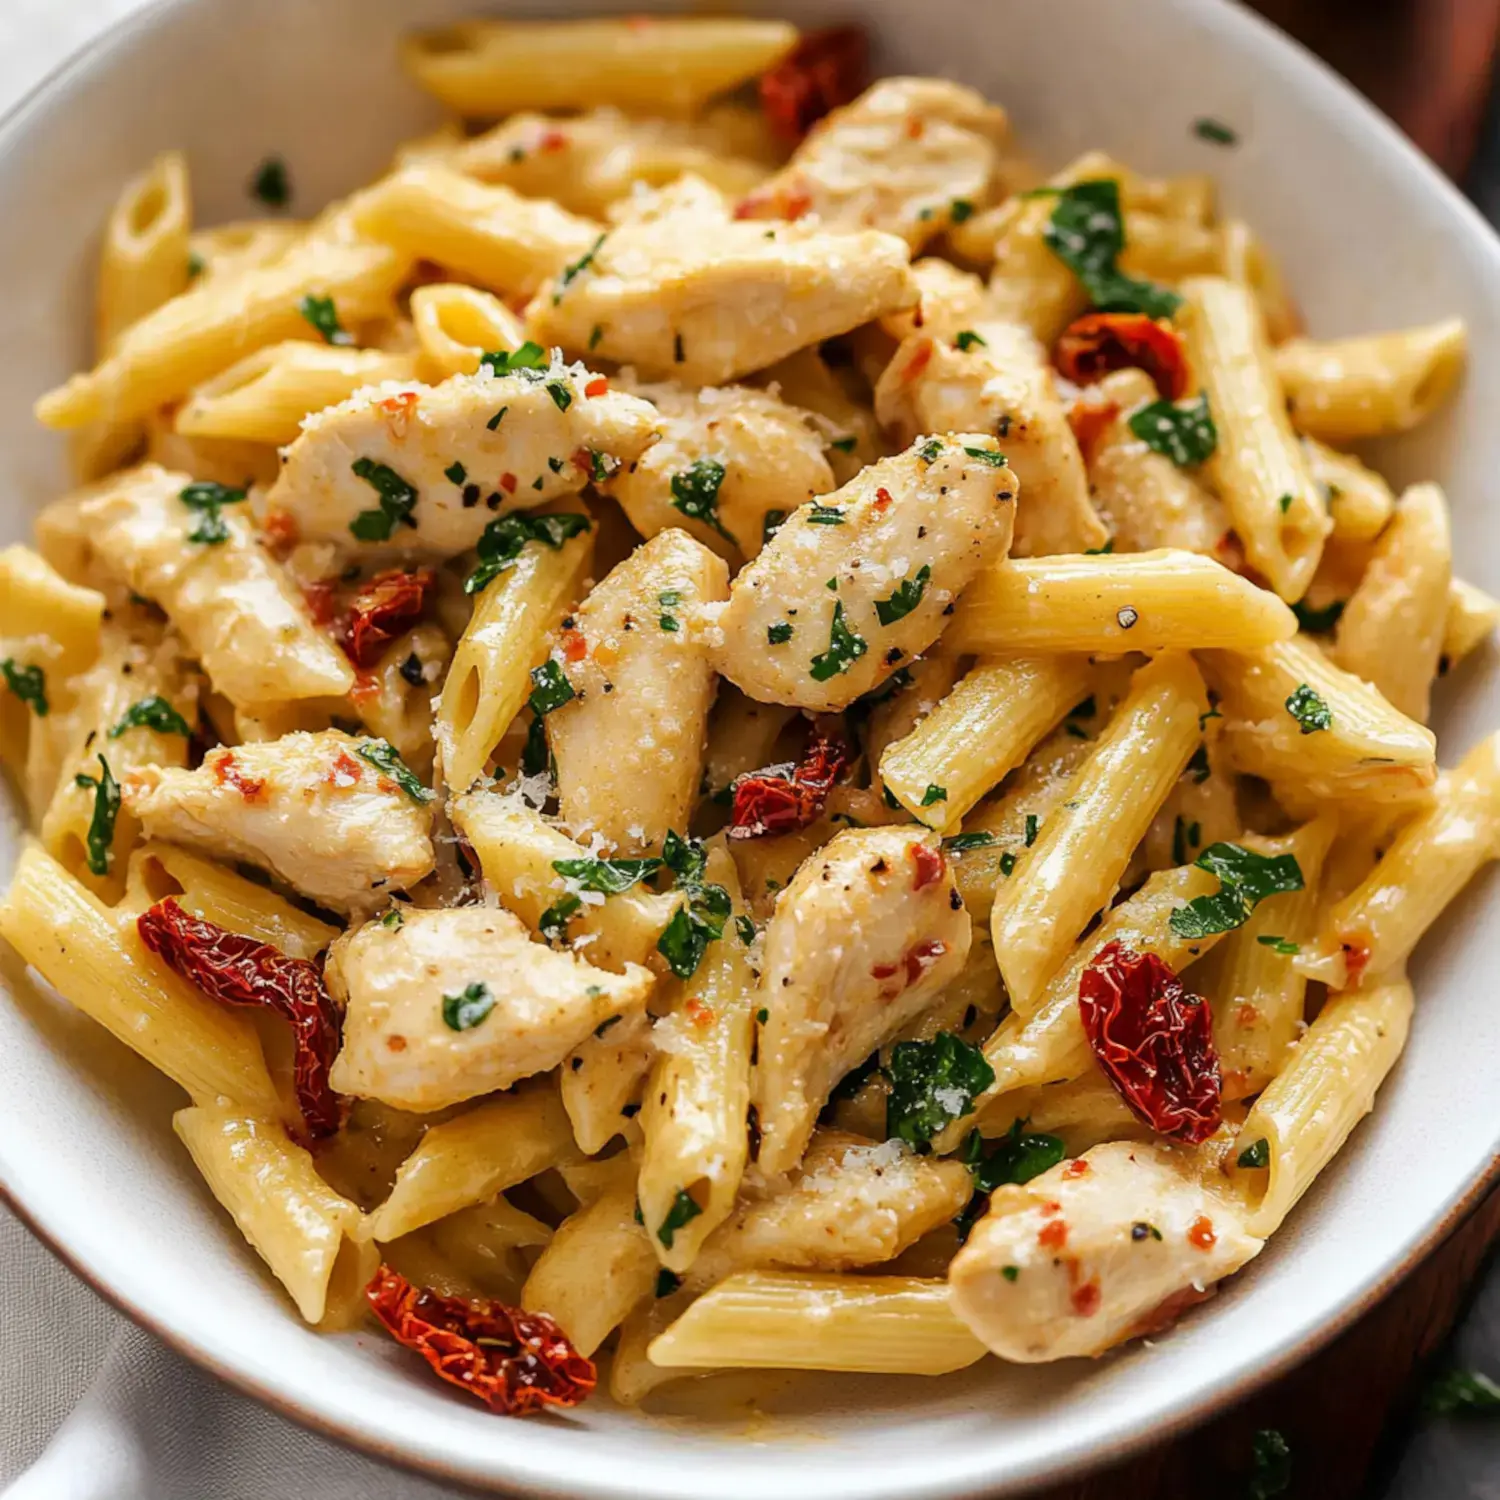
[
  {"x": 448, "y": 1004},
  {"x": 421, "y": 470},
  {"x": 690, "y": 198},
  {"x": 851, "y": 435},
  {"x": 629, "y": 744},
  {"x": 237, "y": 610},
  {"x": 1113, "y": 1244},
  {"x": 851, "y": 1202},
  {"x": 866, "y": 935},
  {"x": 910, "y": 156},
  {"x": 323, "y": 812},
  {"x": 486, "y": 234},
  {"x": 998, "y": 382},
  {"x": 586, "y": 162},
  {"x": 853, "y": 586},
  {"x": 951, "y": 300},
  {"x": 727, "y": 458},
  {"x": 683, "y": 297}
]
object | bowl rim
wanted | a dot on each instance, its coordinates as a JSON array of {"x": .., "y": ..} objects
[{"x": 1191, "y": 1408}]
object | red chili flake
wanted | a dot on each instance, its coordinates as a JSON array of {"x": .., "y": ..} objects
[
  {"x": 345, "y": 771},
  {"x": 1089, "y": 421},
  {"x": 227, "y": 773},
  {"x": 1154, "y": 1041},
  {"x": 1078, "y": 1167},
  {"x": 382, "y": 609},
  {"x": 824, "y": 70},
  {"x": 914, "y": 962},
  {"x": 508, "y": 483},
  {"x": 1086, "y": 1299},
  {"x": 596, "y": 387},
  {"x": 1053, "y": 1235},
  {"x": 551, "y": 140},
  {"x": 1097, "y": 343},
  {"x": 930, "y": 865},
  {"x": 915, "y": 127},
  {"x": 574, "y": 646},
  {"x": 1166, "y": 1313},
  {"x": 281, "y": 530},
  {"x": 515, "y": 1362},
  {"x": 320, "y": 600},
  {"x": 1201, "y": 1233},
  {"x": 398, "y": 410},
  {"x": 366, "y": 685},
  {"x": 883, "y": 500},
  {"x": 1050, "y": 1207},
  {"x": 237, "y": 970},
  {"x": 1356, "y": 960},
  {"x": 1246, "y": 1016},
  {"x": 699, "y": 1013},
  {"x": 918, "y": 362},
  {"x": 770, "y": 801}
]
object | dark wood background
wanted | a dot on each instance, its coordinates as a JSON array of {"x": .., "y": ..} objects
[{"x": 1428, "y": 64}]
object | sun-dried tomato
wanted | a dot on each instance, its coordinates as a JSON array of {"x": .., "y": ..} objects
[
  {"x": 1100, "y": 342},
  {"x": 1090, "y": 421},
  {"x": 382, "y": 609},
  {"x": 824, "y": 70},
  {"x": 774, "y": 801},
  {"x": 236, "y": 970},
  {"x": 930, "y": 865},
  {"x": 1154, "y": 1041},
  {"x": 515, "y": 1362}
]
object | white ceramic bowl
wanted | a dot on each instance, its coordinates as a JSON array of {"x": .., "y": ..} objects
[{"x": 1371, "y": 237}]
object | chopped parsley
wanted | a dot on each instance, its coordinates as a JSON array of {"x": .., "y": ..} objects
[
  {"x": 1318, "y": 621},
  {"x": 1186, "y": 434},
  {"x": 779, "y": 635},
  {"x": 770, "y": 524},
  {"x": 528, "y": 357},
  {"x": 961, "y": 841},
  {"x": 845, "y": 444},
  {"x": 570, "y": 273},
  {"x": 553, "y": 923},
  {"x": 503, "y": 540},
  {"x": 1214, "y": 131},
  {"x": 1245, "y": 879},
  {"x": 607, "y": 876},
  {"x": 844, "y": 649},
  {"x": 1271, "y": 1459},
  {"x": 1185, "y": 836},
  {"x": 700, "y": 920},
  {"x": 196, "y": 265},
  {"x": 931, "y": 450},
  {"x": 595, "y": 335},
  {"x": 695, "y": 492},
  {"x": 562, "y": 397},
  {"x": 398, "y": 499},
  {"x": 1284, "y": 946},
  {"x": 1010, "y": 1273},
  {"x": 602, "y": 466},
  {"x": 987, "y": 456},
  {"x": 153, "y": 713},
  {"x": 384, "y": 757},
  {"x": 932, "y": 1084},
  {"x": 324, "y": 316},
  {"x": 745, "y": 930},
  {"x": 960, "y": 210},
  {"x": 825, "y": 515},
  {"x": 29, "y": 684},
  {"x": 1199, "y": 766},
  {"x": 101, "y": 834},
  {"x": 1015, "y": 1157},
  {"x": 1033, "y": 825},
  {"x": 1256, "y": 1154},
  {"x": 907, "y": 597},
  {"x": 1285, "y": 503},
  {"x": 1007, "y": 864},
  {"x": 933, "y": 794},
  {"x": 464, "y": 1011},
  {"x": 550, "y": 688},
  {"x": 207, "y": 498},
  {"x": 271, "y": 184},
  {"x": 455, "y": 473},
  {"x": 1087, "y": 233},
  {"x": 668, "y": 599},
  {"x": 1309, "y": 710},
  {"x": 1461, "y": 1391},
  {"x": 966, "y": 339},
  {"x": 393, "y": 919},
  {"x": 682, "y": 1211},
  {"x": 495, "y": 421}
]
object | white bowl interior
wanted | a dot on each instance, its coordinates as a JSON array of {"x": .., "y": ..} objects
[{"x": 1370, "y": 236}]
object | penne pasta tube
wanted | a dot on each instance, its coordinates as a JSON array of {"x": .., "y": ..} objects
[
  {"x": 1249, "y": 263},
  {"x": 264, "y": 397},
  {"x": 742, "y": 735},
  {"x": 1343, "y": 390},
  {"x": 698, "y": 1094},
  {"x": 458, "y": 325},
  {"x": 1391, "y": 631},
  {"x": 291, "y": 1218},
  {"x": 473, "y": 1156},
  {"x": 808, "y": 1321},
  {"x": 650, "y": 65},
  {"x": 1312, "y": 1106},
  {"x": 1144, "y": 601},
  {"x": 507, "y": 635},
  {"x": 980, "y": 732},
  {"x": 93, "y": 957},
  {"x": 1373, "y": 930},
  {"x": 44, "y": 619},
  {"x": 1084, "y": 846},
  {"x": 144, "y": 259},
  {"x": 1258, "y": 466},
  {"x": 1360, "y": 502},
  {"x": 1365, "y": 749},
  {"x": 1471, "y": 619}
]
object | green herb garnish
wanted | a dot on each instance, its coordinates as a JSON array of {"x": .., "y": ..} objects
[
  {"x": 29, "y": 684},
  {"x": 844, "y": 649},
  {"x": 504, "y": 539},
  {"x": 153, "y": 713},
  {"x": 932, "y": 1084},
  {"x": 1087, "y": 233},
  {"x": 907, "y": 597},
  {"x": 464, "y": 1011},
  {"x": 207, "y": 498},
  {"x": 1245, "y": 879},
  {"x": 398, "y": 499},
  {"x": 1310, "y": 711},
  {"x": 682, "y": 1211},
  {"x": 607, "y": 876},
  {"x": 101, "y": 834},
  {"x": 324, "y": 316},
  {"x": 1185, "y": 434}
]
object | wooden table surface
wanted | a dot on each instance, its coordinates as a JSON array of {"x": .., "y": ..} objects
[{"x": 1428, "y": 64}]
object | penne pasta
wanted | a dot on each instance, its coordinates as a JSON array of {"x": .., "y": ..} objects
[{"x": 144, "y": 259}]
